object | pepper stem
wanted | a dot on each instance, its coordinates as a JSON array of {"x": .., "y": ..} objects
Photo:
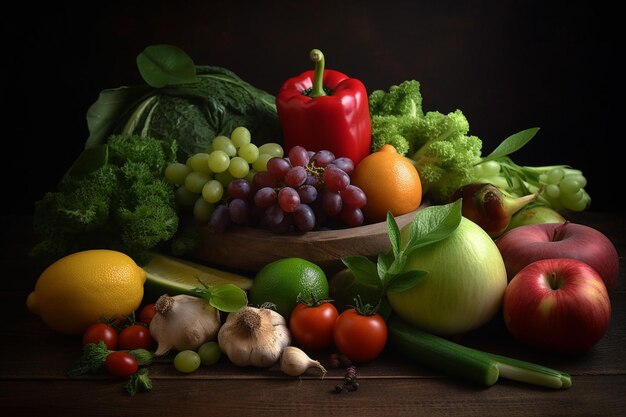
[{"x": 318, "y": 77}]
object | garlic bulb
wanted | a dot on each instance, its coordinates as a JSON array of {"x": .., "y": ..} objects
[
  {"x": 183, "y": 322},
  {"x": 295, "y": 362},
  {"x": 254, "y": 336}
]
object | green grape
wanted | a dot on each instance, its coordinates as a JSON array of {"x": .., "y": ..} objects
[
  {"x": 250, "y": 176},
  {"x": 553, "y": 190},
  {"x": 224, "y": 178},
  {"x": 580, "y": 204},
  {"x": 209, "y": 353},
  {"x": 200, "y": 162},
  {"x": 238, "y": 167},
  {"x": 570, "y": 184},
  {"x": 184, "y": 197},
  {"x": 202, "y": 210},
  {"x": 195, "y": 181},
  {"x": 249, "y": 152},
  {"x": 186, "y": 361},
  {"x": 223, "y": 143},
  {"x": 176, "y": 172},
  {"x": 490, "y": 168},
  {"x": 240, "y": 136},
  {"x": 273, "y": 149},
  {"x": 261, "y": 162},
  {"x": 219, "y": 161},
  {"x": 555, "y": 175},
  {"x": 212, "y": 191}
]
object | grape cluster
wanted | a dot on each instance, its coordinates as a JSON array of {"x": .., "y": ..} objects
[
  {"x": 203, "y": 179},
  {"x": 304, "y": 191},
  {"x": 567, "y": 187}
]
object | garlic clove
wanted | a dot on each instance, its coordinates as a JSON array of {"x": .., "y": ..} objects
[{"x": 294, "y": 362}]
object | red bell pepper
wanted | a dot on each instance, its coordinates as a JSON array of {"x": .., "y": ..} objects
[{"x": 325, "y": 110}]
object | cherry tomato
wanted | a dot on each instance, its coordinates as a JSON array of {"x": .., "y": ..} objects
[
  {"x": 146, "y": 314},
  {"x": 121, "y": 364},
  {"x": 135, "y": 336},
  {"x": 312, "y": 325},
  {"x": 101, "y": 332},
  {"x": 360, "y": 337}
]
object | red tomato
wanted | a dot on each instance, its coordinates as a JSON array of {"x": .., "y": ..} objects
[
  {"x": 121, "y": 364},
  {"x": 360, "y": 337},
  {"x": 101, "y": 331},
  {"x": 146, "y": 314},
  {"x": 135, "y": 336},
  {"x": 312, "y": 326}
]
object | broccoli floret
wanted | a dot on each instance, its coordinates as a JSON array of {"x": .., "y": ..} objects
[
  {"x": 439, "y": 144},
  {"x": 393, "y": 114},
  {"x": 124, "y": 204},
  {"x": 404, "y": 99}
]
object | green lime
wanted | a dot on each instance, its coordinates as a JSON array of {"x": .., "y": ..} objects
[
  {"x": 280, "y": 282},
  {"x": 344, "y": 288}
]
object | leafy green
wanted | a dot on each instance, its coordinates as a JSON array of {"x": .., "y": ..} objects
[
  {"x": 190, "y": 110},
  {"x": 162, "y": 65},
  {"x": 119, "y": 202},
  {"x": 430, "y": 225},
  {"x": 511, "y": 144},
  {"x": 224, "y": 297}
]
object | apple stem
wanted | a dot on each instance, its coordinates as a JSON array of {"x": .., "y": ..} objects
[{"x": 558, "y": 231}]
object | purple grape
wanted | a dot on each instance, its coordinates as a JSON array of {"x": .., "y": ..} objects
[
  {"x": 353, "y": 196},
  {"x": 307, "y": 193},
  {"x": 345, "y": 164},
  {"x": 323, "y": 158},
  {"x": 304, "y": 218},
  {"x": 295, "y": 176},
  {"x": 264, "y": 179},
  {"x": 331, "y": 202},
  {"x": 335, "y": 179},
  {"x": 288, "y": 199},
  {"x": 239, "y": 188},
  {"x": 265, "y": 197},
  {"x": 278, "y": 167},
  {"x": 351, "y": 217},
  {"x": 238, "y": 209},
  {"x": 220, "y": 219},
  {"x": 298, "y": 156}
]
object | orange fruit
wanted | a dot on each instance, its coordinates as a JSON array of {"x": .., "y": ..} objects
[{"x": 390, "y": 183}]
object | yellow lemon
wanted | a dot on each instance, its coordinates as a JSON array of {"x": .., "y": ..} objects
[{"x": 81, "y": 288}]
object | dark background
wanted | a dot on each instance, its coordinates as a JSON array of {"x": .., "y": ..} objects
[{"x": 508, "y": 65}]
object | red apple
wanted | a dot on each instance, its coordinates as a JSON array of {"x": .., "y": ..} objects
[
  {"x": 560, "y": 305},
  {"x": 525, "y": 244}
]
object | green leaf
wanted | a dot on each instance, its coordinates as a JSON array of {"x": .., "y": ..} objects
[
  {"x": 511, "y": 144},
  {"x": 433, "y": 224},
  {"x": 89, "y": 160},
  {"x": 406, "y": 280},
  {"x": 398, "y": 263},
  {"x": 394, "y": 233},
  {"x": 162, "y": 65},
  {"x": 106, "y": 113},
  {"x": 385, "y": 259},
  {"x": 363, "y": 269},
  {"x": 228, "y": 297}
]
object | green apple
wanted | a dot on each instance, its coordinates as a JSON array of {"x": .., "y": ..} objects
[
  {"x": 464, "y": 287},
  {"x": 535, "y": 215}
]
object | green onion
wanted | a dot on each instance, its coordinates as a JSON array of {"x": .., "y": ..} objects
[{"x": 456, "y": 360}]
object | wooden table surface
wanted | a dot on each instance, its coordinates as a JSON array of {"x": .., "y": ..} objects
[{"x": 33, "y": 360}]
